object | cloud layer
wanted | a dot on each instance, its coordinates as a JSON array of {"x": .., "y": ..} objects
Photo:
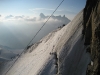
[
  {"x": 38, "y": 9},
  {"x": 20, "y": 29},
  {"x": 41, "y": 17}
]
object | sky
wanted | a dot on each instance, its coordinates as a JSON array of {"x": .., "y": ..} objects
[
  {"x": 34, "y": 7},
  {"x": 20, "y": 19}
]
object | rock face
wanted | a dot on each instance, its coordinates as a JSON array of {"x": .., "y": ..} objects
[{"x": 91, "y": 32}]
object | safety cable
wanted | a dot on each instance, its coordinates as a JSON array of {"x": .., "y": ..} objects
[{"x": 36, "y": 34}]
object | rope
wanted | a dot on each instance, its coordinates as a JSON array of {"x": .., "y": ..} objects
[{"x": 36, "y": 34}]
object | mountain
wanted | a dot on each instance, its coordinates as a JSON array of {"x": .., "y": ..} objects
[
  {"x": 71, "y": 50},
  {"x": 4, "y": 47},
  {"x": 63, "y": 18},
  {"x": 6, "y": 53},
  {"x": 60, "y": 52},
  {"x": 91, "y": 32},
  {"x": 42, "y": 16}
]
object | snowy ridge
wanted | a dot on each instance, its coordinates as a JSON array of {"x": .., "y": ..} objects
[
  {"x": 31, "y": 62},
  {"x": 68, "y": 44},
  {"x": 71, "y": 52}
]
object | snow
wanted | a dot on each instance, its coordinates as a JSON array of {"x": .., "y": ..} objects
[{"x": 67, "y": 42}]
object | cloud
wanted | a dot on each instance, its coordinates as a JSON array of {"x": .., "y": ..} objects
[
  {"x": 38, "y": 9},
  {"x": 30, "y": 19},
  {"x": 41, "y": 18},
  {"x": 17, "y": 17},
  {"x": 9, "y": 16},
  {"x": 0, "y": 15}
]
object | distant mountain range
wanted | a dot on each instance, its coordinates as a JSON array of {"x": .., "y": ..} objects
[
  {"x": 63, "y": 18},
  {"x": 7, "y": 53},
  {"x": 4, "y": 47}
]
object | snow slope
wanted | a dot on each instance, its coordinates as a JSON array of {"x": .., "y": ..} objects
[{"x": 67, "y": 42}]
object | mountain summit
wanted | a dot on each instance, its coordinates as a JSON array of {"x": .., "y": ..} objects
[{"x": 63, "y": 18}]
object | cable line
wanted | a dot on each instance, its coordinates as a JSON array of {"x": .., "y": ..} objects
[
  {"x": 36, "y": 34},
  {"x": 44, "y": 23}
]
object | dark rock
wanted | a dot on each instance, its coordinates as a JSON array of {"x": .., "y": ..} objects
[{"x": 91, "y": 32}]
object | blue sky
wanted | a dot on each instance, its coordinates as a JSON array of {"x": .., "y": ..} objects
[{"x": 34, "y": 7}]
